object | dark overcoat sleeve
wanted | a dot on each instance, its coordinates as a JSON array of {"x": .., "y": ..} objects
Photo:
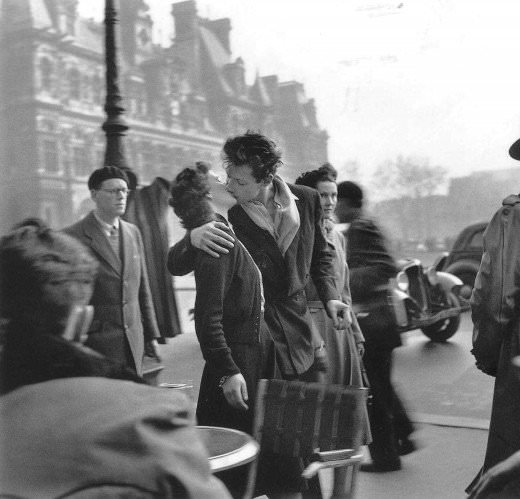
[
  {"x": 213, "y": 278},
  {"x": 181, "y": 257},
  {"x": 369, "y": 259}
]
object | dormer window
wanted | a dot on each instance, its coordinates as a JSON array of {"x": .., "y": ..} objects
[
  {"x": 46, "y": 74},
  {"x": 74, "y": 82}
]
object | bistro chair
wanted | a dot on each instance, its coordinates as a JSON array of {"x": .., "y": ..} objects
[{"x": 322, "y": 424}]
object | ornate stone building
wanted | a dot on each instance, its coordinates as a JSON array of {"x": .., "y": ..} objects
[{"x": 181, "y": 102}]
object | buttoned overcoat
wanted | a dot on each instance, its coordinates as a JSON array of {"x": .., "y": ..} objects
[{"x": 122, "y": 300}]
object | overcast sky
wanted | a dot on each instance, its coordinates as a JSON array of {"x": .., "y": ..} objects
[{"x": 435, "y": 79}]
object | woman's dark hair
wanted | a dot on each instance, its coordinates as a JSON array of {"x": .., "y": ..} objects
[
  {"x": 190, "y": 194},
  {"x": 325, "y": 173},
  {"x": 254, "y": 150},
  {"x": 31, "y": 255}
]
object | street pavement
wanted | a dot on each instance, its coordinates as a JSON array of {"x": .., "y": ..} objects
[{"x": 448, "y": 399}]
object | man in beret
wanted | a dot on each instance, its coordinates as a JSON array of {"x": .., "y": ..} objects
[{"x": 124, "y": 326}]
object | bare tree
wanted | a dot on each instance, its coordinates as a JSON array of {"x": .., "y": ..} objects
[
  {"x": 350, "y": 170},
  {"x": 412, "y": 178},
  {"x": 408, "y": 177}
]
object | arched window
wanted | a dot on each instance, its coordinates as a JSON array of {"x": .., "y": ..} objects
[
  {"x": 74, "y": 82},
  {"x": 46, "y": 70}
]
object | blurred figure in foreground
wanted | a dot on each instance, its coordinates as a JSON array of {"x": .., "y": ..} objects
[
  {"x": 371, "y": 265},
  {"x": 343, "y": 349},
  {"x": 46, "y": 281},
  {"x": 502, "y": 481},
  {"x": 81, "y": 435},
  {"x": 495, "y": 303},
  {"x": 124, "y": 326}
]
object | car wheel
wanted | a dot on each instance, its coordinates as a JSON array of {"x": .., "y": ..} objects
[
  {"x": 446, "y": 328},
  {"x": 468, "y": 281}
]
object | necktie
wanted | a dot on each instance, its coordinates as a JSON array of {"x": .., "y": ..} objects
[{"x": 114, "y": 239}]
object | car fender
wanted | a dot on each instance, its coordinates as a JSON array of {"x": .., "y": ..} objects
[
  {"x": 398, "y": 299},
  {"x": 448, "y": 281}
]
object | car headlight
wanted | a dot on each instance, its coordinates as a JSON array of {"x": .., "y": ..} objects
[{"x": 402, "y": 281}]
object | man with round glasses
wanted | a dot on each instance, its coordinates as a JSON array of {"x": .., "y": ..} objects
[{"x": 124, "y": 326}]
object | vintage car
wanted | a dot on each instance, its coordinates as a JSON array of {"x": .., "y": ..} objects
[
  {"x": 464, "y": 258},
  {"x": 427, "y": 299}
]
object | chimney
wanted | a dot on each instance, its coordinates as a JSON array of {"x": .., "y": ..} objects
[
  {"x": 235, "y": 73},
  {"x": 185, "y": 18},
  {"x": 221, "y": 29}
]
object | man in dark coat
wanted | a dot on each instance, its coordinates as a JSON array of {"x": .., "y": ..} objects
[
  {"x": 148, "y": 209},
  {"x": 124, "y": 324},
  {"x": 371, "y": 266}
]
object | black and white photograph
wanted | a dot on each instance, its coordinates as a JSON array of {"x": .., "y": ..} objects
[{"x": 259, "y": 249}]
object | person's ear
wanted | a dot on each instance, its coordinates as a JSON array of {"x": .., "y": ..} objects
[{"x": 93, "y": 194}]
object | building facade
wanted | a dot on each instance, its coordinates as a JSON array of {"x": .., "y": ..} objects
[{"x": 181, "y": 102}]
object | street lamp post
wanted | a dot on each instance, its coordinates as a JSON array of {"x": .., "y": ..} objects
[{"x": 115, "y": 126}]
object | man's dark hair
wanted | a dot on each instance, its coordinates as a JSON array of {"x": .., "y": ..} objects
[
  {"x": 254, "y": 150},
  {"x": 325, "y": 173},
  {"x": 190, "y": 196},
  {"x": 352, "y": 192},
  {"x": 106, "y": 173}
]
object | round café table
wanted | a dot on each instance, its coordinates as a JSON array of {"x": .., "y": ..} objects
[{"x": 227, "y": 448}]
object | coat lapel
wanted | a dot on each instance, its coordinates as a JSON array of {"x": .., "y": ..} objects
[
  {"x": 99, "y": 243},
  {"x": 127, "y": 246},
  {"x": 292, "y": 250}
]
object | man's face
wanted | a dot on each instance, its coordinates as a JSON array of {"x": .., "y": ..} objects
[
  {"x": 242, "y": 185},
  {"x": 344, "y": 211},
  {"x": 111, "y": 198}
]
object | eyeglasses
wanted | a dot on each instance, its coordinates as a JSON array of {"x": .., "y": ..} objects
[{"x": 115, "y": 192}]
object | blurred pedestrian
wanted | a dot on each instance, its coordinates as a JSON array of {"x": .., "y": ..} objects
[
  {"x": 46, "y": 281},
  {"x": 343, "y": 349},
  {"x": 371, "y": 266},
  {"x": 495, "y": 302},
  {"x": 124, "y": 326},
  {"x": 280, "y": 225}
]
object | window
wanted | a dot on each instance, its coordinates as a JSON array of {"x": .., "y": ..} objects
[
  {"x": 477, "y": 240},
  {"x": 74, "y": 82},
  {"x": 46, "y": 74},
  {"x": 80, "y": 161},
  {"x": 50, "y": 156}
]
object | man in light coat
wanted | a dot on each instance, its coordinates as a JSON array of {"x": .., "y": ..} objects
[{"x": 124, "y": 325}]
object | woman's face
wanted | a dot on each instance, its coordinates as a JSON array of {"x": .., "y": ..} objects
[
  {"x": 221, "y": 198},
  {"x": 328, "y": 192}
]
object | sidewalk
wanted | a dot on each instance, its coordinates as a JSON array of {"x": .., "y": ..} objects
[{"x": 447, "y": 460}]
